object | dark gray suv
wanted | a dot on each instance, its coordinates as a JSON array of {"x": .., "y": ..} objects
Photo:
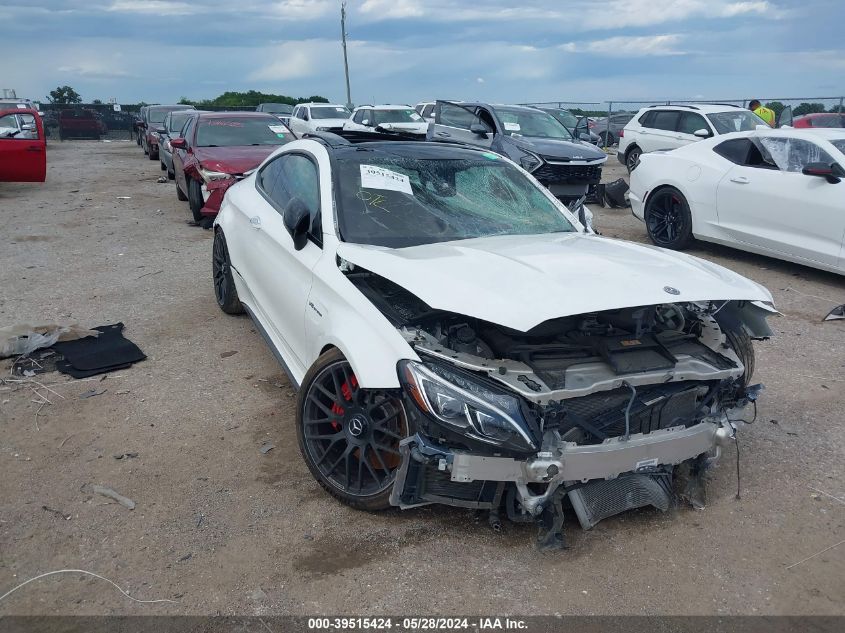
[{"x": 528, "y": 136}]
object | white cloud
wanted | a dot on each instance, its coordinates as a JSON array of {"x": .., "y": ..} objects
[
  {"x": 153, "y": 7},
  {"x": 382, "y": 9},
  {"x": 628, "y": 13},
  {"x": 479, "y": 80},
  {"x": 628, "y": 46},
  {"x": 299, "y": 9}
]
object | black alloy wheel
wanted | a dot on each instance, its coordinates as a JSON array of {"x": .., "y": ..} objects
[
  {"x": 668, "y": 219},
  {"x": 349, "y": 436},
  {"x": 221, "y": 272}
]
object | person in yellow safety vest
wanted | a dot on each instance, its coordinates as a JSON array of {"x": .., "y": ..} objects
[{"x": 762, "y": 111}]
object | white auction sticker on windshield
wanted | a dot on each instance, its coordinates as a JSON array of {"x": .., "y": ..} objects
[
  {"x": 373, "y": 177},
  {"x": 277, "y": 129},
  {"x": 512, "y": 127}
]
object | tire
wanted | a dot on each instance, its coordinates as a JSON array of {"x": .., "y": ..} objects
[
  {"x": 328, "y": 406},
  {"x": 631, "y": 157},
  {"x": 607, "y": 139},
  {"x": 144, "y": 147},
  {"x": 162, "y": 166},
  {"x": 179, "y": 195},
  {"x": 150, "y": 154},
  {"x": 195, "y": 200},
  {"x": 741, "y": 343},
  {"x": 668, "y": 219},
  {"x": 137, "y": 139},
  {"x": 221, "y": 272},
  {"x": 171, "y": 175}
]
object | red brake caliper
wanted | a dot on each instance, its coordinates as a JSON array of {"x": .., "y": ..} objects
[{"x": 347, "y": 395}]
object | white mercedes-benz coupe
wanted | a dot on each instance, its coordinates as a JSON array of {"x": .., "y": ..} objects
[
  {"x": 456, "y": 336},
  {"x": 772, "y": 192}
]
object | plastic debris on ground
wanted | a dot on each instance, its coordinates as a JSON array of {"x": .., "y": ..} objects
[{"x": 22, "y": 339}]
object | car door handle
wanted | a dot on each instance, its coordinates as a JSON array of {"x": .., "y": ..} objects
[
  {"x": 741, "y": 180},
  {"x": 32, "y": 148},
  {"x": 255, "y": 222},
  {"x": 446, "y": 134}
]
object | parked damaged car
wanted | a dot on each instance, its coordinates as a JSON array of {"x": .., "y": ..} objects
[
  {"x": 456, "y": 336},
  {"x": 216, "y": 150},
  {"x": 153, "y": 120},
  {"x": 534, "y": 139}
]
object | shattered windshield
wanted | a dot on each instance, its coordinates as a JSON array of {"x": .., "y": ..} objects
[
  {"x": 519, "y": 122},
  {"x": 241, "y": 131},
  {"x": 411, "y": 196},
  {"x": 329, "y": 112},
  {"x": 735, "y": 121}
]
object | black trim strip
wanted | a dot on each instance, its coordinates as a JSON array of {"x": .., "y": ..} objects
[{"x": 272, "y": 347}]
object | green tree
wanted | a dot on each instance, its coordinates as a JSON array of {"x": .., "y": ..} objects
[
  {"x": 250, "y": 98},
  {"x": 807, "y": 108},
  {"x": 776, "y": 106},
  {"x": 185, "y": 101},
  {"x": 97, "y": 102},
  {"x": 64, "y": 94}
]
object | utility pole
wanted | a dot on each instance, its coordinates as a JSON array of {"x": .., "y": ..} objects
[{"x": 345, "y": 59}]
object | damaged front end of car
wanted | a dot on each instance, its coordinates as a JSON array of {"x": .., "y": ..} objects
[{"x": 601, "y": 412}]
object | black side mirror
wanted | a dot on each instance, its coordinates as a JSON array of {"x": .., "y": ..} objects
[
  {"x": 297, "y": 220},
  {"x": 832, "y": 173},
  {"x": 479, "y": 129},
  {"x": 161, "y": 130}
]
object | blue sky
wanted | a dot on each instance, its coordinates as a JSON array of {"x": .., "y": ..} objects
[{"x": 408, "y": 51}]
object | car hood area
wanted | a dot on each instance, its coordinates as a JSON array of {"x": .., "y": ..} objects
[
  {"x": 521, "y": 281},
  {"x": 233, "y": 160},
  {"x": 554, "y": 149}
]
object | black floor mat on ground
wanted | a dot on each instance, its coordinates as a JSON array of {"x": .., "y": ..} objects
[{"x": 90, "y": 356}]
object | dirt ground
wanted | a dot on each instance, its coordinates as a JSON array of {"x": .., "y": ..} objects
[{"x": 221, "y": 528}]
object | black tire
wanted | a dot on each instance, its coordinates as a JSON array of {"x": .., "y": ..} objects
[
  {"x": 668, "y": 219},
  {"x": 144, "y": 147},
  {"x": 606, "y": 139},
  {"x": 171, "y": 175},
  {"x": 741, "y": 343},
  {"x": 162, "y": 166},
  {"x": 631, "y": 157},
  {"x": 179, "y": 194},
  {"x": 357, "y": 430},
  {"x": 152, "y": 156},
  {"x": 195, "y": 200},
  {"x": 137, "y": 138},
  {"x": 221, "y": 272}
]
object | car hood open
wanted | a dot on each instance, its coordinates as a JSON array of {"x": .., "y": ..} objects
[
  {"x": 522, "y": 281},
  {"x": 233, "y": 160}
]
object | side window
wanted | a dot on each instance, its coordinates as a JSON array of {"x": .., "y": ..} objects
[
  {"x": 647, "y": 119},
  {"x": 188, "y": 129},
  {"x": 9, "y": 126},
  {"x": 29, "y": 128},
  {"x": 428, "y": 110},
  {"x": 793, "y": 154},
  {"x": 456, "y": 116},
  {"x": 690, "y": 122},
  {"x": 486, "y": 119},
  {"x": 296, "y": 176},
  {"x": 665, "y": 120},
  {"x": 359, "y": 116},
  {"x": 736, "y": 150},
  {"x": 368, "y": 118}
]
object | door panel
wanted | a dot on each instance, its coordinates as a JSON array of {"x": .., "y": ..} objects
[
  {"x": 783, "y": 212},
  {"x": 452, "y": 123},
  {"x": 279, "y": 276},
  {"x": 23, "y": 148}
]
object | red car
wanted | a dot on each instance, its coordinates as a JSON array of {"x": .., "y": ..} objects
[
  {"x": 23, "y": 148},
  {"x": 820, "y": 119},
  {"x": 153, "y": 118},
  {"x": 217, "y": 149},
  {"x": 80, "y": 123}
]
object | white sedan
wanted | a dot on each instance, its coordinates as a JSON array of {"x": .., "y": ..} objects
[
  {"x": 456, "y": 336},
  {"x": 772, "y": 192}
]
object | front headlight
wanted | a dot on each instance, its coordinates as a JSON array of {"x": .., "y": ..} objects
[
  {"x": 530, "y": 162},
  {"x": 466, "y": 405},
  {"x": 209, "y": 175}
]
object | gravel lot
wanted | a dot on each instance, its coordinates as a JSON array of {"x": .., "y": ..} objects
[{"x": 221, "y": 528}]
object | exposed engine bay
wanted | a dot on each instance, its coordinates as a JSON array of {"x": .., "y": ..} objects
[{"x": 606, "y": 411}]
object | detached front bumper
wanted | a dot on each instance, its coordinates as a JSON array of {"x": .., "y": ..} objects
[
  {"x": 213, "y": 192},
  {"x": 637, "y": 470}
]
